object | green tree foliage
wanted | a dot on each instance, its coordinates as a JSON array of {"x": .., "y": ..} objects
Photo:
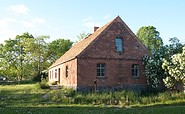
[
  {"x": 36, "y": 50},
  {"x": 175, "y": 67},
  {"x": 82, "y": 35},
  {"x": 154, "y": 68},
  {"x": 150, "y": 37},
  {"x": 57, "y": 48},
  {"x": 13, "y": 56},
  {"x": 173, "y": 48},
  {"x": 27, "y": 57}
]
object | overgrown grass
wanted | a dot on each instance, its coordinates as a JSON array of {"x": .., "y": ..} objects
[
  {"x": 27, "y": 98},
  {"x": 118, "y": 98}
]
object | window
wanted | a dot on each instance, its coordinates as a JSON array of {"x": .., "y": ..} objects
[
  {"x": 67, "y": 70},
  {"x": 135, "y": 70},
  {"x": 137, "y": 47},
  {"x": 119, "y": 45},
  {"x": 50, "y": 75},
  {"x": 55, "y": 73},
  {"x": 100, "y": 69}
]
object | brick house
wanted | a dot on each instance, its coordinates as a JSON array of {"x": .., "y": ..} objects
[{"x": 109, "y": 58}]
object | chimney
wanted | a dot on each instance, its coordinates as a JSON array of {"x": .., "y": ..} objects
[{"x": 95, "y": 28}]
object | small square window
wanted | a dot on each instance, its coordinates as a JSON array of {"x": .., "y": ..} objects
[{"x": 137, "y": 47}]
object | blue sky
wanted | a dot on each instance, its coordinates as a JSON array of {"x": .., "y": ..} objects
[{"x": 68, "y": 18}]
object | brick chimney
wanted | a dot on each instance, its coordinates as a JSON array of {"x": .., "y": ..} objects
[{"x": 95, "y": 28}]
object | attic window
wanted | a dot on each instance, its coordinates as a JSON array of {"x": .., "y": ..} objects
[
  {"x": 119, "y": 45},
  {"x": 137, "y": 47}
]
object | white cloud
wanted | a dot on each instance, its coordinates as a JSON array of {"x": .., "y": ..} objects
[
  {"x": 90, "y": 23},
  {"x": 87, "y": 19},
  {"x": 38, "y": 20},
  {"x": 6, "y": 22},
  {"x": 18, "y": 9},
  {"x": 107, "y": 16},
  {"x": 10, "y": 27},
  {"x": 6, "y": 29},
  {"x": 33, "y": 23}
]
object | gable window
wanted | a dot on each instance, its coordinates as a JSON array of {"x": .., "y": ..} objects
[
  {"x": 119, "y": 45},
  {"x": 67, "y": 70},
  {"x": 101, "y": 70},
  {"x": 135, "y": 70}
]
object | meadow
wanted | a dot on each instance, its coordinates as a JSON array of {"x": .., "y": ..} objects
[{"x": 29, "y": 99}]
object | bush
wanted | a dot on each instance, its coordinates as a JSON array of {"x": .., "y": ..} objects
[
  {"x": 53, "y": 83},
  {"x": 43, "y": 84},
  {"x": 163, "y": 97},
  {"x": 38, "y": 78}
]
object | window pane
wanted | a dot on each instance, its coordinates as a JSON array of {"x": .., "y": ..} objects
[
  {"x": 135, "y": 70},
  {"x": 102, "y": 74},
  {"x": 100, "y": 69},
  {"x": 55, "y": 73},
  {"x": 119, "y": 46},
  {"x": 66, "y": 71}
]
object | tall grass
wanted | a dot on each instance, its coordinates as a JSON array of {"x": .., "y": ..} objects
[
  {"x": 120, "y": 98},
  {"x": 29, "y": 93}
]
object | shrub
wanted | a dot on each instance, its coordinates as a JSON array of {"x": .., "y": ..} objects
[
  {"x": 163, "y": 97},
  {"x": 53, "y": 83},
  {"x": 43, "y": 84}
]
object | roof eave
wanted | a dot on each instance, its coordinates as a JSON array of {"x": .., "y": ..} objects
[{"x": 63, "y": 62}]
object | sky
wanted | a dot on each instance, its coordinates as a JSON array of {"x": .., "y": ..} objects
[{"x": 68, "y": 18}]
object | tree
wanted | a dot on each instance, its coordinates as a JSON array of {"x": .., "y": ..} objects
[
  {"x": 153, "y": 67},
  {"x": 175, "y": 67},
  {"x": 173, "y": 48},
  {"x": 57, "y": 48},
  {"x": 82, "y": 35},
  {"x": 36, "y": 50},
  {"x": 13, "y": 57},
  {"x": 20, "y": 41},
  {"x": 150, "y": 37}
]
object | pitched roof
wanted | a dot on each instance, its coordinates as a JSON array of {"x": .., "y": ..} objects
[
  {"x": 75, "y": 50},
  {"x": 78, "y": 48}
]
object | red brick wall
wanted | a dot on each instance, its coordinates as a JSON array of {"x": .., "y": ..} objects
[
  {"x": 118, "y": 65},
  {"x": 104, "y": 45},
  {"x": 118, "y": 73},
  {"x": 82, "y": 71},
  {"x": 71, "y": 80}
]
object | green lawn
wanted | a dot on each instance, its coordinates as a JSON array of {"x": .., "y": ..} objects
[
  {"x": 27, "y": 99},
  {"x": 93, "y": 110}
]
